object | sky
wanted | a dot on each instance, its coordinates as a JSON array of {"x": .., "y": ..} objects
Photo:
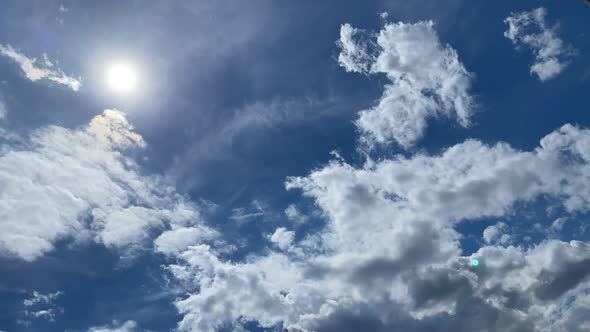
[{"x": 300, "y": 166}]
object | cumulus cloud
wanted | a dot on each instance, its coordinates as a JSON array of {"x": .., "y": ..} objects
[
  {"x": 77, "y": 184},
  {"x": 530, "y": 29},
  {"x": 356, "y": 53},
  {"x": 115, "y": 326},
  {"x": 389, "y": 257},
  {"x": 427, "y": 80},
  {"x": 575, "y": 317},
  {"x": 176, "y": 240},
  {"x": 282, "y": 238},
  {"x": 495, "y": 233},
  {"x": 547, "y": 282},
  {"x": 44, "y": 69}
]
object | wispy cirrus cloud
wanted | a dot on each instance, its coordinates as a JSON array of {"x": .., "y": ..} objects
[
  {"x": 255, "y": 210},
  {"x": 36, "y": 70}
]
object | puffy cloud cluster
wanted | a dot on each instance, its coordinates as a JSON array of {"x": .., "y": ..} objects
[
  {"x": 495, "y": 233},
  {"x": 282, "y": 237},
  {"x": 530, "y": 29},
  {"x": 77, "y": 184},
  {"x": 389, "y": 257},
  {"x": 427, "y": 80},
  {"x": 35, "y": 71}
]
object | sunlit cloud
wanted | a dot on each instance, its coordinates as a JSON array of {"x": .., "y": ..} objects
[{"x": 36, "y": 70}]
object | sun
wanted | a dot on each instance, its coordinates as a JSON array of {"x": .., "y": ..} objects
[{"x": 122, "y": 77}]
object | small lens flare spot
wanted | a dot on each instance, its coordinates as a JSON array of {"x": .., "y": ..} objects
[{"x": 475, "y": 262}]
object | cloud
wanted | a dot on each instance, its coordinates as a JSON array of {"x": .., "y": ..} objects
[
  {"x": 244, "y": 214},
  {"x": 427, "y": 80},
  {"x": 115, "y": 326},
  {"x": 282, "y": 238},
  {"x": 389, "y": 257},
  {"x": 39, "y": 298},
  {"x": 295, "y": 216},
  {"x": 529, "y": 29},
  {"x": 175, "y": 241},
  {"x": 2, "y": 109},
  {"x": 42, "y": 306},
  {"x": 355, "y": 55},
  {"x": 218, "y": 140},
  {"x": 575, "y": 317},
  {"x": 77, "y": 184},
  {"x": 35, "y": 71},
  {"x": 494, "y": 232},
  {"x": 557, "y": 224}
]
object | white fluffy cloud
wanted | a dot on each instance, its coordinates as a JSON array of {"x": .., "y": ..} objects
[
  {"x": 282, "y": 237},
  {"x": 77, "y": 184},
  {"x": 496, "y": 233},
  {"x": 389, "y": 257},
  {"x": 548, "y": 282},
  {"x": 529, "y": 29},
  {"x": 176, "y": 240},
  {"x": 427, "y": 80},
  {"x": 45, "y": 69}
]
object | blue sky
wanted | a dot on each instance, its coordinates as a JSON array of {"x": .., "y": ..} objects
[{"x": 294, "y": 165}]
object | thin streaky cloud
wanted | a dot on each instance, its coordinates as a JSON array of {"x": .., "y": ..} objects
[{"x": 35, "y": 70}]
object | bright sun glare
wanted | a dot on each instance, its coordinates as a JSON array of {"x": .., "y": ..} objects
[{"x": 122, "y": 78}]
